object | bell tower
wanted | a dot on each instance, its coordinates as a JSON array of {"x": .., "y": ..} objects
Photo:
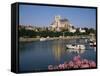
[
  {"x": 57, "y": 18},
  {"x": 57, "y": 21}
]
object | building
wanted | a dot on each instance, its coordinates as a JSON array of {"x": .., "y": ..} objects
[
  {"x": 82, "y": 30},
  {"x": 60, "y": 24},
  {"x": 72, "y": 29},
  {"x": 29, "y": 28}
]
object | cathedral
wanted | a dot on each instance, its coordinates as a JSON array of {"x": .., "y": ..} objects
[{"x": 60, "y": 24}]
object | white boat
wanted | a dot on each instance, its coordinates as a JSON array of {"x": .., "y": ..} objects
[
  {"x": 76, "y": 46},
  {"x": 42, "y": 39},
  {"x": 92, "y": 43}
]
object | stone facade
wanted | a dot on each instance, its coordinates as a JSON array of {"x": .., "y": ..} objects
[{"x": 60, "y": 24}]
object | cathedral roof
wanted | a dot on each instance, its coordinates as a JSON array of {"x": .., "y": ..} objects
[{"x": 64, "y": 20}]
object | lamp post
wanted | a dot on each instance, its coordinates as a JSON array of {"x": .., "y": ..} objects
[{"x": 63, "y": 34}]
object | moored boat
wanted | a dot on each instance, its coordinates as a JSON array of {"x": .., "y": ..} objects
[
  {"x": 75, "y": 46},
  {"x": 92, "y": 44},
  {"x": 42, "y": 39}
]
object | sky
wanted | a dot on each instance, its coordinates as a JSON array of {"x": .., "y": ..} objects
[{"x": 44, "y": 15}]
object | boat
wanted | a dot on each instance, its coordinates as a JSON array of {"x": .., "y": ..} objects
[
  {"x": 92, "y": 41},
  {"x": 75, "y": 46},
  {"x": 92, "y": 44},
  {"x": 42, "y": 39}
]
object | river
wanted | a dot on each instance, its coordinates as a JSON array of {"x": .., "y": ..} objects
[{"x": 37, "y": 55}]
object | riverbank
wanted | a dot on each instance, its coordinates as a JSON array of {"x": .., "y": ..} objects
[{"x": 22, "y": 39}]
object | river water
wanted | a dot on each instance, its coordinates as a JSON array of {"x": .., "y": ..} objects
[{"x": 37, "y": 55}]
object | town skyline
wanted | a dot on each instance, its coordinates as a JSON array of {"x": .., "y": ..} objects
[{"x": 78, "y": 17}]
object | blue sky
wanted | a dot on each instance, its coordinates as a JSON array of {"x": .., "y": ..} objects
[{"x": 44, "y": 15}]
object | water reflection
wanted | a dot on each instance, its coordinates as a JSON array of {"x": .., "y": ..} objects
[
  {"x": 95, "y": 49},
  {"x": 75, "y": 51},
  {"x": 58, "y": 49}
]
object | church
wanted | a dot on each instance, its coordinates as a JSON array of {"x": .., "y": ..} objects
[{"x": 60, "y": 24}]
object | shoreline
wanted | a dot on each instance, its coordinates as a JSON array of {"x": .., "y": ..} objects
[{"x": 21, "y": 39}]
